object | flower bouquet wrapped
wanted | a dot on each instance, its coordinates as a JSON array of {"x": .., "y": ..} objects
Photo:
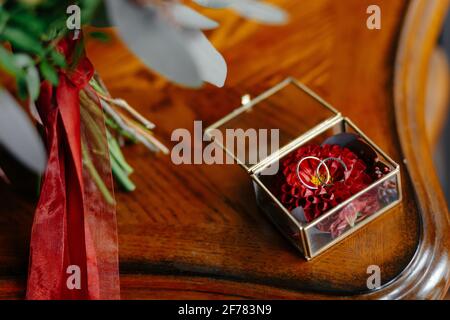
[{"x": 84, "y": 127}]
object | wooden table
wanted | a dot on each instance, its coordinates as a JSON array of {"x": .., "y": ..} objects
[{"x": 194, "y": 231}]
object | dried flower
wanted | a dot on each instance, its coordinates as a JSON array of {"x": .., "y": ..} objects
[{"x": 352, "y": 213}]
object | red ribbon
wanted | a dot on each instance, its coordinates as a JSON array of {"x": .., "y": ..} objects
[{"x": 73, "y": 250}]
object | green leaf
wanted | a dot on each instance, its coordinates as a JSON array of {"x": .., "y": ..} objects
[
  {"x": 28, "y": 22},
  {"x": 4, "y": 17},
  {"x": 101, "y": 36},
  {"x": 21, "y": 40},
  {"x": 49, "y": 73},
  {"x": 22, "y": 90},
  {"x": 7, "y": 62},
  {"x": 55, "y": 29},
  {"x": 58, "y": 58}
]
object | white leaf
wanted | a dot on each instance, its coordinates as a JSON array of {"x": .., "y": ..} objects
[
  {"x": 32, "y": 79},
  {"x": 19, "y": 136},
  {"x": 189, "y": 18},
  {"x": 34, "y": 112},
  {"x": 262, "y": 12},
  {"x": 157, "y": 42},
  {"x": 23, "y": 60},
  {"x": 212, "y": 66},
  {"x": 214, "y": 3}
]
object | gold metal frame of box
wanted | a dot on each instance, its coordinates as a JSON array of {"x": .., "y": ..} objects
[
  {"x": 236, "y": 112},
  {"x": 294, "y": 144}
]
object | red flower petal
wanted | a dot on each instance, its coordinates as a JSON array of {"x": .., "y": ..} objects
[{"x": 315, "y": 202}]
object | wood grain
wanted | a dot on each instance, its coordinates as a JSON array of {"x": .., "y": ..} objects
[{"x": 194, "y": 231}]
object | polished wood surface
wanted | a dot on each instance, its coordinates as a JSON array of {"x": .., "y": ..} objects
[
  {"x": 194, "y": 231},
  {"x": 437, "y": 96}
]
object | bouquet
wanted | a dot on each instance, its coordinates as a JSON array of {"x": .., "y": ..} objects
[{"x": 73, "y": 250}]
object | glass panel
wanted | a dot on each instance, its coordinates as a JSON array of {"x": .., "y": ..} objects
[
  {"x": 322, "y": 233},
  {"x": 278, "y": 217},
  {"x": 284, "y": 113},
  {"x": 342, "y": 222}
]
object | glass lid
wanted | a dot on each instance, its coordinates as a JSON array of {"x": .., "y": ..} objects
[{"x": 278, "y": 118}]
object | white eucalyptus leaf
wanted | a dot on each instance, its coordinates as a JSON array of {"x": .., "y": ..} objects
[
  {"x": 33, "y": 82},
  {"x": 189, "y": 18},
  {"x": 32, "y": 79},
  {"x": 217, "y": 4},
  {"x": 212, "y": 65},
  {"x": 19, "y": 136},
  {"x": 23, "y": 60},
  {"x": 262, "y": 12},
  {"x": 157, "y": 42},
  {"x": 34, "y": 112}
]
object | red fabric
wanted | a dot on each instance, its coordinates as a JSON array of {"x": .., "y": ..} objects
[{"x": 72, "y": 223}]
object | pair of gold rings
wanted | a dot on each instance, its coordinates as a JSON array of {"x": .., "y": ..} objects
[{"x": 321, "y": 163}]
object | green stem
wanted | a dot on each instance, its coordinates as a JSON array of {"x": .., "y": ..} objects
[
  {"x": 96, "y": 86},
  {"x": 95, "y": 176},
  {"x": 121, "y": 176},
  {"x": 113, "y": 125},
  {"x": 92, "y": 125},
  {"x": 114, "y": 150}
]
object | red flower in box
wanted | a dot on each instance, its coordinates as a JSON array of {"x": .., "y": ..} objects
[{"x": 315, "y": 195}]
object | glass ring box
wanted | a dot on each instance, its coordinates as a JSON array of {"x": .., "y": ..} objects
[{"x": 323, "y": 180}]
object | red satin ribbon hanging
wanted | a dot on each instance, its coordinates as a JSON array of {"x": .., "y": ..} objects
[{"x": 73, "y": 250}]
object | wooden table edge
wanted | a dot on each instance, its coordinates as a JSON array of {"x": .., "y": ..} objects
[{"x": 428, "y": 274}]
